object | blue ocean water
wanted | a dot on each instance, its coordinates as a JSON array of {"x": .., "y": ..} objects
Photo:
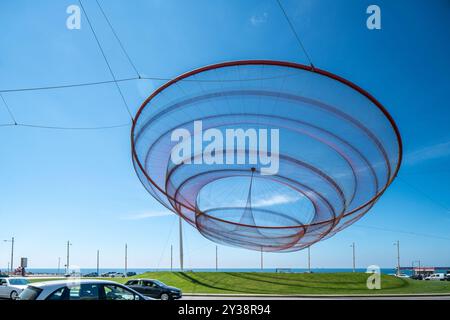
[{"x": 142, "y": 270}]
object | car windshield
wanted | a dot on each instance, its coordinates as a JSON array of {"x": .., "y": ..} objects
[
  {"x": 159, "y": 283},
  {"x": 30, "y": 293},
  {"x": 19, "y": 282}
]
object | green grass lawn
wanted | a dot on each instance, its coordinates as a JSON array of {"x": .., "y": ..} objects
[{"x": 289, "y": 283}]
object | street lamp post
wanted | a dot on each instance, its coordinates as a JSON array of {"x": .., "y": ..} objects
[
  {"x": 412, "y": 266},
  {"x": 262, "y": 259},
  {"x": 126, "y": 258},
  {"x": 11, "y": 265},
  {"x": 309, "y": 259},
  {"x": 354, "y": 259},
  {"x": 171, "y": 257},
  {"x": 98, "y": 263},
  {"x": 68, "y": 257},
  {"x": 181, "y": 243},
  {"x": 59, "y": 264},
  {"x": 217, "y": 260},
  {"x": 398, "y": 256}
]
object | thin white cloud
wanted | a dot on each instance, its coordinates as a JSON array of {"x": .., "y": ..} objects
[
  {"x": 148, "y": 215},
  {"x": 274, "y": 200},
  {"x": 435, "y": 151},
  {"x": 277, "y": 199},
  {"x": 259, "y": 19}
]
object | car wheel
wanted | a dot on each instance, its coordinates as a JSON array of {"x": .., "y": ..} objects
[
  {"x": 165, "y": 296},
  {"x": 13, "y": 295}
]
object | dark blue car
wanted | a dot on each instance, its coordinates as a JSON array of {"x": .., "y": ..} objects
[{"x": 154, "y": 289}]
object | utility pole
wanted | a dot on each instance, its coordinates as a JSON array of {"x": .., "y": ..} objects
[
  {"x": 412, "y": 266},
  {"x": 12, "y": 254},
  {"x": 171, "y": 257},
  {"x": 181, "y": 244},
  {"x": 98, "y": 263},
  {"x": 217, "y": 260},
  {"x": 11, "y": 265},
  {"x": 309, "y": 259},
  {"x": 68, "y": 257},
  {"x": 262, "y": 261},
  {"x": 354, "y": 263},
  {"x": 398, "y": 256},
  {"x": 59, "y": 264},
  {"x": 126, "y": 258},
  {"x": 419, "y": 266}
]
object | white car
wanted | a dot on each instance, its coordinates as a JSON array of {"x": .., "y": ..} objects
[
  {"x": 402, "y": 275},
  {"x": 117, "y": 275},
  {"x": 12, "y": 287},
  {"x": 436, "y": 276},
  {"x": 80, "y": 289}
]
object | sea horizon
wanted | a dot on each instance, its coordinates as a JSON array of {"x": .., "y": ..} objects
[{"x": 266, "y": 270}]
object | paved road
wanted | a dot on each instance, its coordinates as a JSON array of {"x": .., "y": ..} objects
[
  {"x": 219, "y": 297},
  {"x": 310, "y": 298}
]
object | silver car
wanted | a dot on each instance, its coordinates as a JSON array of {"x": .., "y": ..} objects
[
  {"x": 79, "y": 289},
  {"x": 12, "y": 287}
]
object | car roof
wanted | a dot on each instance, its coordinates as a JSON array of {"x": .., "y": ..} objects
[
  {"x": 139, "y": 279},
  {"x": 70, "y": 282}
]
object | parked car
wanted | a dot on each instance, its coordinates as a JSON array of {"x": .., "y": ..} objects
[
  {"x": 91, "y": 275},
  {"x": 112, "y": 274},
  {"x": 447, "y": 277},
  {"x": 73, "y": 274},
  {"x": 154, "y": 288},
  {"x": 402, "y": 275},
  {"x": 117, "y": 275},
  {"x": 436, "y": 277},
  {"x": 12, "y": 287},
  {"x": 131, "y": 274},
  {"x": 83, "y": 289},
  {"x": 417, "y": 277}
]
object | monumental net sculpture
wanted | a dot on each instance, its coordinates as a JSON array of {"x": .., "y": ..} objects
[{"x": 265, "y": 155}]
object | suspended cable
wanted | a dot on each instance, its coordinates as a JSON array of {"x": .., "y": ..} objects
[
  {"x": 405, "y": 232},
  {"x": 37, "y": 126},
  {"x": 85, "y": 84},
  {"x": 118, "y": 39},
  {"x": 438, "y": 203},
  {"x": 167, "y": 241},
  {"x": 8, "y": 109},
  {"x": 30, "y": 125},
  {"x": 73, "y": 128},
  {"x": 428, "y": 172},
  {"x": 296, "y": 34},
  {"x": 106, "y": 60}
]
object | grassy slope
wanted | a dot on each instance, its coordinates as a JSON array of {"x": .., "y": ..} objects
[{"x": 289, "y": 283}]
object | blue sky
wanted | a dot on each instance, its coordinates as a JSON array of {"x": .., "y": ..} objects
[{"x": 80, "y": 184}]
